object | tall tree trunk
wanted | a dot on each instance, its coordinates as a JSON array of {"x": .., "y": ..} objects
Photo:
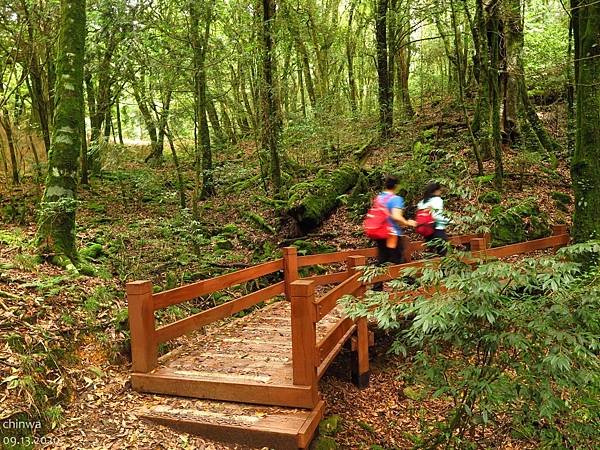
[
  {"x": 519, "y": 118},
  {"x": 149, "y": 122},
  {"x": 350, "y": 49},
  {"x": 585, "y": 167},
  {"x": 119, "y": 122},
  {"x": 162, "y": 121},
  {"x": 215, "y": 123},
  {"x": 36, "y": 158},
  {"x": 461, "y": 87},
  {"x": 180, "y": 182},
  {"x": 56, "y": 232},
  {"x": 493, "y": 33},
  {"x": 270, "y": 120},
  {"x": 385, "y": 113},
  {"x": 6, "y": 124},
  {"x": 200, "y": 48},
  {"x": 84, "y": 156}
]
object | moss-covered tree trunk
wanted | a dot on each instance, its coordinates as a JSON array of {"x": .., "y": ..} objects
[
  {"x": 311, "y": 202},
  {"x": 270, "y": 117},
  {"x": 56, "y": 232},
  {"x": 199, "y": 43},
  {"x": 520, "y": 122},
  {"x": 586, "y": 159},
  {"x": 494, "y": 69},
  {"x": 383, "y": 74}
]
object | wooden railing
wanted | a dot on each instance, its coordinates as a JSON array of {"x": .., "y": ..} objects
[{"x": 310, "y": 357}]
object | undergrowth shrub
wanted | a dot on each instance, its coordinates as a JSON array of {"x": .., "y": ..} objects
[{"x": 507, "y": 345}]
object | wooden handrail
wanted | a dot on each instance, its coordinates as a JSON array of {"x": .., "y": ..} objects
[
  {"x": 497, "y": 252},
  {"x": 326, "y": 303},
  {"x": 330, "y": 340},
  {"x": 329, "y": 278},
  {"x": 183, "y": 326},
  {"x": 203, "y": 287},
  {"x": 371, "y": 252},
  {"x": 329, "y": 258}
]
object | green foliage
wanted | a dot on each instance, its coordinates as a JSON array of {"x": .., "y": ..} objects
[
  {"x": 516, "y": 342},
  {"x": 491, "y": 197},
  {"x": 325, "y": 443},
  {"x": 330, "y": 425}
]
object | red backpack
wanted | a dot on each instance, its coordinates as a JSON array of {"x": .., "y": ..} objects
[
  {"x": 425, "y": 222},
  {"x": 376, "y": 223}
]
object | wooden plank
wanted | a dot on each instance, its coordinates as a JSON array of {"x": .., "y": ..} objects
[
  {"x": 307, "y": 432},
  {"x": 524, "y": 247},
  {"x": 330, "y": 278},
  {"x": 183, "y": 326},
  {"x": 255, "y": 436},
  {"x": 332, "y": 354},
  {"x": 332, "y": 338},
  {"x": 329, "y": 258},
  {"x": 304, "y": 332},
  {"x": 326, "y": 303},
  {"x": 203, "y": 287},
  {"x": 247, "y": 392},
  {"x": 144, "y": 348}
]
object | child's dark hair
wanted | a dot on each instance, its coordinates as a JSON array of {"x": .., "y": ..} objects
[
  {"x": 430, "y": 189},
  {"x": 390, "y": 181}
]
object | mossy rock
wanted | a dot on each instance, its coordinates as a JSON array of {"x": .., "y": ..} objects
[
  {"x": 518, "y": 223},
  {"x": 490, "y": 197},
  {"x": 312, "y": 201},
  {"x": 92, "y": 251},
  {"x": 561, "y": 198},
  {"x": 330, "y": 425},
  {"x": 325, "y": 443}
]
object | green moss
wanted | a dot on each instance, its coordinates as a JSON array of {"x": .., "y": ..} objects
[
  {"x": 491, "y": 197},
  {"x": 325, "y": 443},
  {"x": 518, "y": 223},
  {"x": 311, "y": 202},
  {"x": 92, "y": 251},
  {"x": 259, "y": 221},
  {"x": 330, "y": 425}
]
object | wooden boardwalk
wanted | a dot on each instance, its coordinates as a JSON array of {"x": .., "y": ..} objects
[{"x": 256, "y": 378}]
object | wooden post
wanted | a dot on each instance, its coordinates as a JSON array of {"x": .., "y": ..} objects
[
  {"x": 144, "y": 350},
  {"x": 360, "y": 365},
  {"x": 559, "y": 230},
  {"x": 478, "y": 244},
  {"x": 290, "y": 269},
  {"x": 304, "y": 332},
  {"x": 352, "y": 262},
  {"x": 406, "y": 251},
  {"x": 488, "y": 239}
]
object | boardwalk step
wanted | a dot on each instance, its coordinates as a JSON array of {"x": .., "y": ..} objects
[{"x": 252, "y": 425}]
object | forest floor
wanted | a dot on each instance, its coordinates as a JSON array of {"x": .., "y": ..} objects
[{"x": 64, "y": 357}]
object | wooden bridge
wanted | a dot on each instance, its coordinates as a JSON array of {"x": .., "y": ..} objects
[{"x": 259, "y": 374}]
